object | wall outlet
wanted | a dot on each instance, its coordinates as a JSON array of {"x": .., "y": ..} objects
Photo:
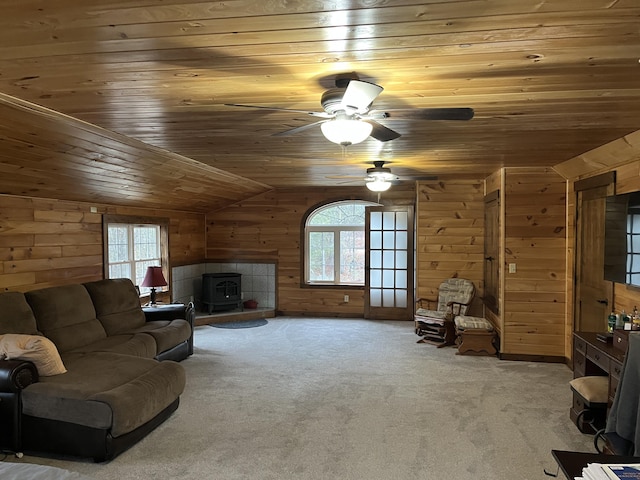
[
  {"x": 512, "y": 268},
  {"x": 346, "y": 299},
  {"x": 94, "y": 209}
]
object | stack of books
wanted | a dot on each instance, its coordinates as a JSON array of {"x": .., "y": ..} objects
[{"x": 610, "y": 471}]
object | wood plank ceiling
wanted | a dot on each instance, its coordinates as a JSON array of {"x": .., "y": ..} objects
[{"x": 548, "y": 80}]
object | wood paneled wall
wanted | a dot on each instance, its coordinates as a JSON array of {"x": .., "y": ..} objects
[
  {"x": 623, "y": 157},
  {"x": 268, "y": 228},
  {"x": 535, "y": 240},
  {"x": 46, "y": 243},
  {"x": 450, "y": 235},
  {"x": 493, "y": 183}
]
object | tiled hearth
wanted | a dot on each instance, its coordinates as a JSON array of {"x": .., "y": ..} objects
[{"x": 258, "y": 283}]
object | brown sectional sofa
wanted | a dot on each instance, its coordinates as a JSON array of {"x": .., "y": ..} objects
[{"x": 121, "y": 380}]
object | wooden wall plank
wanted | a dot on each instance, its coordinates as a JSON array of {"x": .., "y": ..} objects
[
  {"x": 49, "y": 242},
  {"x": 450, "y": 235},
  {"x": 534, "y": 303}
]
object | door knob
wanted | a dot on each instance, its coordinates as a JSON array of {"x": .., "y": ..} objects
[{"x": 604, "y": 301}]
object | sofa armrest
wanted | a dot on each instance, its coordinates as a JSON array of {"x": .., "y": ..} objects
[
  {"x": 16, "y": 375},
  {"x": 173, "y": 311}
]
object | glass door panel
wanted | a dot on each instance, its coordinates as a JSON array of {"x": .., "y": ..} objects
[{"x": 389, "y": 266}]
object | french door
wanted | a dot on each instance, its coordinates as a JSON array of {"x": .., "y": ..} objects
[{"x": 389, "y": 271}]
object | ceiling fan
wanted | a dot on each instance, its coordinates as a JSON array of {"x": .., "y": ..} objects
[
  {"x": 380, "y": 178},
  {"x": 348, "y": 118}
]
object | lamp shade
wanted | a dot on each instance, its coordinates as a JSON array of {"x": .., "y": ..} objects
[
  {"x": 346, "y": 131},
  {"x": 154, "y": 278},
  {"x": 378, "y": 185}
]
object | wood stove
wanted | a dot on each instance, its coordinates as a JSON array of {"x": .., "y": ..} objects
[{"x": 221, "y": 291}]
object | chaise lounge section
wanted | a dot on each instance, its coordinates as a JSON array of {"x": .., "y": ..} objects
[{"x": 111, "y": 387}]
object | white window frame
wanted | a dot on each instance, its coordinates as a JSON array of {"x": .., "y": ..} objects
[
  {"x": 131, "y": 222},
  {"x": 336, "y": 230}
]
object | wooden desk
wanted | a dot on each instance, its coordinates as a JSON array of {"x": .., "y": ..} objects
[
  {"x": 594, "y": 357},
  {"x": 572, "y": 463}
]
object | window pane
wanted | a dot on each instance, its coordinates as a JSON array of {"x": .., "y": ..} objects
[
  {"x": 375, "y": 278},
  {"x": 402, "y": 221},
  {"x": 375, "y": 221},
  {"x": 321, "y": 256},
  {"x": 352, "y": 257},
  {"x": 401, "y": 259},
  {"x": 389, "y": 239},
  {"x": 401, "y": 279},
  {"x": 388, "y": 278},
  {"x": 401, "y": 240},
  {"x": 389, "y": 220},
  {"x": 376, "y": 259},
  {"x": 120, "y": 270},
  {"x": 388, "y": 298},
  {"x": 375, "y": 239},
  {"x": 401, "y": 298},
  {"x": 375, "y": 297},
  {"x": 344, "y": 213},
  {"x": 388, "y": 258},
  {"x": 145, "y": 241},
  {"x": 118, "y": 243}
]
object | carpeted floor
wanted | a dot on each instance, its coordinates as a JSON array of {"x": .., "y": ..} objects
[{"x": 350, "y": 399}]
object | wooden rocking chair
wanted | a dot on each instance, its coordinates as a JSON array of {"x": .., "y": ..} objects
[{"x": 437, "y": 326}]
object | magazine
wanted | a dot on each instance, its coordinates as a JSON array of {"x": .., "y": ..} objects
[{"x": 610, "y": 471}]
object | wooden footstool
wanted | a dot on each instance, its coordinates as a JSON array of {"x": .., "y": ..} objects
[{"x": 476, "y": 336}]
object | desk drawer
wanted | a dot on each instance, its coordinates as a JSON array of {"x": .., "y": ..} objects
[
  {"x": 614, "y": 378},
  {"x": 579, "y": 345},
  {"x": 579, "y": 364},
  {"x": 598, "y": 358}
]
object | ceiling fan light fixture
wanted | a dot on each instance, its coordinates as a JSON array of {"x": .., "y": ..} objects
[
  {"x": 346, "y": 131},
  {"x": 378, "y": 185}
]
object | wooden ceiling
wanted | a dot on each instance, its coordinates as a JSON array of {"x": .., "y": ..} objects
[{"x": 138, "y": 90}]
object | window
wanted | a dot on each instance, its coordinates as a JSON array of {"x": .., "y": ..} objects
[
  {"x": 633, "y": 247},
  {"x": 335, "y": 244},
  {"x": 132, "y": 244}
]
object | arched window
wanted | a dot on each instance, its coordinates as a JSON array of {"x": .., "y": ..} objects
[{"x": 335, "y": 244}]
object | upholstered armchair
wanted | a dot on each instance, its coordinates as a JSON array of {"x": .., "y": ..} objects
[{"x": 434, "y": 317}]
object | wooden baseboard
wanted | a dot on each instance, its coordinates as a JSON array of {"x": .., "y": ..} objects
[{"x": 531, "y": 358}]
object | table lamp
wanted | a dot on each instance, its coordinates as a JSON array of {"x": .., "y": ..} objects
[{"x": 154, "y": 278}]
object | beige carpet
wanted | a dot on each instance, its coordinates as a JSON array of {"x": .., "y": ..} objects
[{"x": 350, "y": 399}]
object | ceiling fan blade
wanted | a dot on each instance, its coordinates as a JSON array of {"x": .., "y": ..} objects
[
  {"x": 302, "y": 128},
  {"x": 424, "y": 114},
  {"x": 382, "y": 133},
  {"x": 313, "y": 114},
  {"x": 359, "y": 95}
]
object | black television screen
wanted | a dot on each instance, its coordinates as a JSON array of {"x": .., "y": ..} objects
[{"x": 622, "y": 239}]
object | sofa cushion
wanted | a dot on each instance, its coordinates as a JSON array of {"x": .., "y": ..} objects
[
  {"x": 106, "y": 390},
  {"x": 117, "y": 304},
  {"x": 66, "y": 316},
  {"x": 34, "y": 348},
  {"x": 136, "y": 344},
  {"x": 17, "y": 316}
]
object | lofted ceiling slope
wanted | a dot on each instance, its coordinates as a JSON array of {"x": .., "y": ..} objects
[{"x": 141, "y": 89}]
